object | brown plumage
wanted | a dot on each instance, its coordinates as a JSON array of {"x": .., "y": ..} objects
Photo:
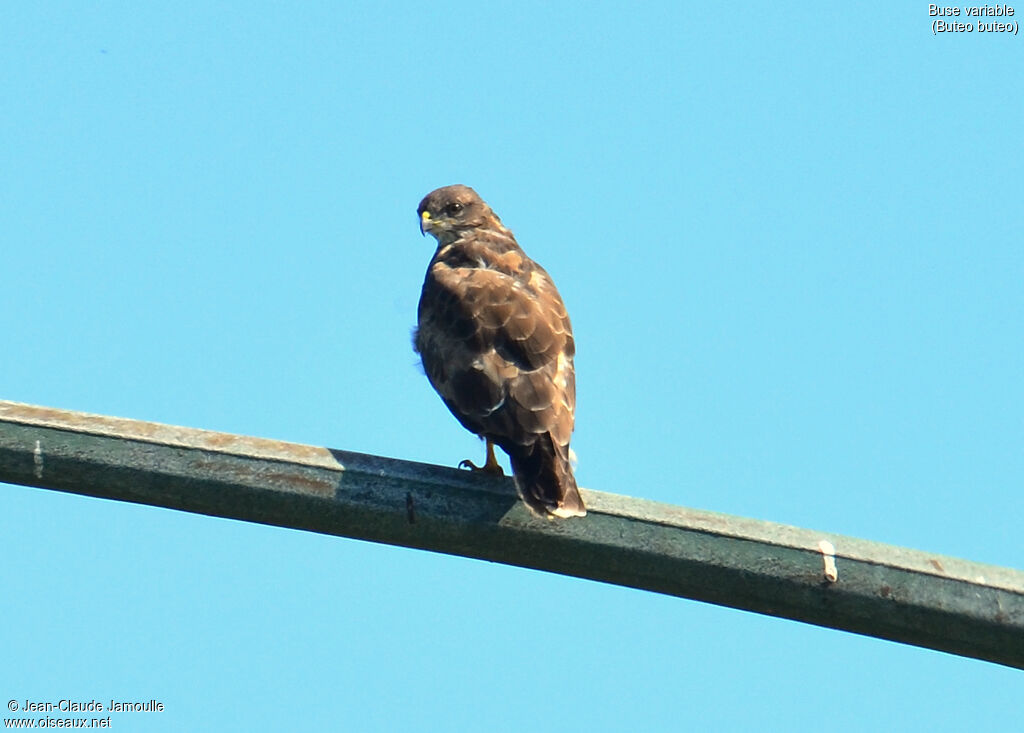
[{"x": 496, "y": 344}]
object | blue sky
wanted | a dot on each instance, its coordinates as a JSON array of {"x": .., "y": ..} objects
[{"x": 789, "y": 239}]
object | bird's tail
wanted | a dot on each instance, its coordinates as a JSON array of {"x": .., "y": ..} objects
[{"x": 544, "y": 478}]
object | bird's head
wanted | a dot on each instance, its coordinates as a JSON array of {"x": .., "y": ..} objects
[{"x": 446, "y": 212}]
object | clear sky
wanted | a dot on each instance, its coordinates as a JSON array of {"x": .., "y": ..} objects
[{"x": 789, "y": 237}]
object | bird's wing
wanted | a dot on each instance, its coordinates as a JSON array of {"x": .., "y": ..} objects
[{"x": 506, "y": 348}]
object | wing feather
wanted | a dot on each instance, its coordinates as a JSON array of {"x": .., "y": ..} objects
[{"x": 489, "y": 338}]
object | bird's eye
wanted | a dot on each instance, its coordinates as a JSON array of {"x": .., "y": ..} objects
[{"x": 453, "y": 208}]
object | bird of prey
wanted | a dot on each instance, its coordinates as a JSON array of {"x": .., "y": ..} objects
[{"x": 496, "y": 344}]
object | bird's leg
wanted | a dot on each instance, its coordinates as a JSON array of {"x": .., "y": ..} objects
[{"x": 491, "y": 466}]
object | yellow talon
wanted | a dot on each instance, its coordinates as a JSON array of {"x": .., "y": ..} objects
[{"x": 491, "y": 466}]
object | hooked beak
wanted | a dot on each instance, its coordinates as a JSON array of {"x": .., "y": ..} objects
[{"x": 424, "y": 222}]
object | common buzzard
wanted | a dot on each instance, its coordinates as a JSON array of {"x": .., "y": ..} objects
[{"x": 496, "y": 344}]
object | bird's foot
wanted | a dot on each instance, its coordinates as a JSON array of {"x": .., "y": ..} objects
[
  {"x": 486, "y": 468},
  {"x": 491, "y": 466}
]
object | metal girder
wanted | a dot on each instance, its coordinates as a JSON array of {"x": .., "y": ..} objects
[{"x": 840, "y": 582}]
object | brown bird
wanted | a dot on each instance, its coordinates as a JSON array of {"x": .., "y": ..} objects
[{"x": 496, "y": 344}]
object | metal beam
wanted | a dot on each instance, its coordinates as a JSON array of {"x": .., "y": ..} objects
[{"x": 820, "y": 578}]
